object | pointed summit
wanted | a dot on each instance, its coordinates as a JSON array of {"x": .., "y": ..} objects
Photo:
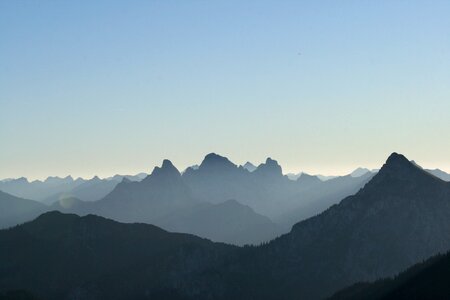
[
  {"x": 399, "y": 165},
  {"x": 167, "y": 169},
  {"x": 398, "y": 172},
  {"x": 396, "y": 158}
]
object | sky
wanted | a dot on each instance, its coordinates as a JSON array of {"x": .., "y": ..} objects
[{"x": 104, "y": 87}]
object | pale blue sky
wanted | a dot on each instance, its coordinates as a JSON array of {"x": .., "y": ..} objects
[{"x": 322, "y": 86}]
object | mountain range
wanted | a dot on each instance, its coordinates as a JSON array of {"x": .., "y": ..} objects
[
  {"x": 399, "y": 218},
  {"x": 56, "y": 188},
  {"x": 205, "y": 200}
]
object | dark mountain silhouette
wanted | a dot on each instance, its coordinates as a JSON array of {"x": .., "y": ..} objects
[
  {"x": 401, "y": 217},
  {"x": 61, "y": 256},
  {"x": 427, "y": 280},
  {"x": 14, "y": 210}
]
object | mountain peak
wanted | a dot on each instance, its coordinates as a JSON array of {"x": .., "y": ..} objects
[
  {"x": 167, "y": 164},
  {"x": 214, "y": 160},
  {"x": 398, "y": 169},
  {"x": 397, "y": 163},
  {"x": 270, "y": 167},
  {"x": 166, "y": 169},
  {"x": 396, "y": 158}
]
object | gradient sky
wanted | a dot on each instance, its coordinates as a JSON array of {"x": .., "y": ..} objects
[{"x": 322, "y": 86}]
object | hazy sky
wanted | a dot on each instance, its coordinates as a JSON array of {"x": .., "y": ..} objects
[{"x": 322, "y": 86}]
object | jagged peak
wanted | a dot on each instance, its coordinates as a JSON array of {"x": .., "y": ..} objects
[
  {"x": 271, "y": 166},
  {"x": 398, "y": 163},
  {"x": 167, "y": 164},
  {"x": 166, "y": 169}
]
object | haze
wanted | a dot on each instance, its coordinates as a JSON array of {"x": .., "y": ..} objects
[{"x": 115, "y": 87}]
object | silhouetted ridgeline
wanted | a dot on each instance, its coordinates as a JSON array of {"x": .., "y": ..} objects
[
  {"x": 265, "y": 203},
  {"x": 376, "y": 233}
]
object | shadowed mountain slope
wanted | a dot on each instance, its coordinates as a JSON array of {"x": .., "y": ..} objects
[
  {"x": 14, "y": 210},
  {"x": 401, "y": 217},
  {"x": 427, "y": 280},
  {"x": 228, "y": 222},
  {"x": 61, "y": 256}
]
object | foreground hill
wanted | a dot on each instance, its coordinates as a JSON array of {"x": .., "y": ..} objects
[
  {"x": 61, "y": 256},
  {"x": 428, "y": 280}
]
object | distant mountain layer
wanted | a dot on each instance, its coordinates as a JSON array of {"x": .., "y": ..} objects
[
  {"x": 440, "y": 174},
  {"x": 56, "y": 188}
]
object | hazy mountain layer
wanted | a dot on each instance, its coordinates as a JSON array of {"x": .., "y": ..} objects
[
  {"x": 55, "y": 188},
  {"x": 14, "y": 210}
]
